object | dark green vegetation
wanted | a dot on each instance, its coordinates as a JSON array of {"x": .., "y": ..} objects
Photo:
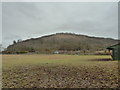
[
  {"x": 115, "y": 51},
  {"x": 61, "y": 42},
  {"x": 59, "y": 71}
]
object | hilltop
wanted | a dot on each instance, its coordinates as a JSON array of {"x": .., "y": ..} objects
[{"x": 62, "y": 41}]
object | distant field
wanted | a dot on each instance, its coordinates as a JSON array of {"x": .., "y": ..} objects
[{"x": 71, "y": 71}]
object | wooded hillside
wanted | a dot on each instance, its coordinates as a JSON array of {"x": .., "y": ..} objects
[{"x": 62, "y": 41}]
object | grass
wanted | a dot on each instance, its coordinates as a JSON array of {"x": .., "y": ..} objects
[
  {"x": 51, "y": 70},
  {"x": 0, "y": 71},
  {"x": 11, "y": 60}
]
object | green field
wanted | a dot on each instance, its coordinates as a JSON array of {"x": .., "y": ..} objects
[{"x": 60, "y": 71}]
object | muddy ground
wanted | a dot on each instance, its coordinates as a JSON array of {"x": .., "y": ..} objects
[{"x": 61, "y": 76}]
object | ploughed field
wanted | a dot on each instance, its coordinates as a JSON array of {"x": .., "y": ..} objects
[{"x": 59, "y": 71}]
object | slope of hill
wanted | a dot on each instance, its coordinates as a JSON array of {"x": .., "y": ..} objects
[{"x": 62, "y": 41}]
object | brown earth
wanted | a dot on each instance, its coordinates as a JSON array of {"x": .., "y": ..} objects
[{"x": 61, "y": 76}]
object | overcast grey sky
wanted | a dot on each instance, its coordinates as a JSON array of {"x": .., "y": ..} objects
[
  {"x": 31, "y": 20},
  {"x": 0, "y": 23}
]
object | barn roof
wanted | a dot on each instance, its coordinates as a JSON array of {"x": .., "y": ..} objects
[{"x": 114, "y": 46}]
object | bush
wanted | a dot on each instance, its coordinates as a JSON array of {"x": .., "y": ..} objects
[{"x": 21, "y": 52}]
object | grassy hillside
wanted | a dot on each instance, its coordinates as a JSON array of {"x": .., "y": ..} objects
[{"x": 62, "y": 41}]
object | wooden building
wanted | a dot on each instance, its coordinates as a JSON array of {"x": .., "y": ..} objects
[{"x": 115, "y": 51}]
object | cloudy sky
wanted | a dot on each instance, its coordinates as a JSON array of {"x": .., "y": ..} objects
[
  {"x": 0, "y": 23},
  {"x": 32, "y": 20}
]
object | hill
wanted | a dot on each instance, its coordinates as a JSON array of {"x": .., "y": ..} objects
[{"x": 63, "y": 42}]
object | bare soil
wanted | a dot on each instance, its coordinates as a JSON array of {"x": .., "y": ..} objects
[{"x": 61, "y": 76}]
